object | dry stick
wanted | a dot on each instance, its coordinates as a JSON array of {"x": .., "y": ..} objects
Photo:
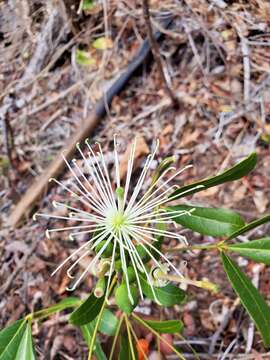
[
  {"x": 85, "y": 128},
  {"x": 155, "y": 52}
]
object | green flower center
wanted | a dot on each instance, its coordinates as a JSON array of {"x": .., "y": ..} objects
[{"x": 118, "y": 220}]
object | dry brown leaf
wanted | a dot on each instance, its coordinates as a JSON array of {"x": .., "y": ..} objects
[
  {"x": 190, "y": 137},
  {"x": 261, "y": 201}
]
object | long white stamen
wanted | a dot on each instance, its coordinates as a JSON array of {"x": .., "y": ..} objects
[
  {"x": 116, "y": 163},
  {"x": 87, "y": 203},
  {"x": 100, "y": 235},
  {"x": 146, "y": 197},
  {"x": 141, "y": 178},
  {"x": 111, "y": 269},
  {"x": 96, "y": 176},
  {"x": 140, "y": 239},
  {"x": 58, "y": 217},
  {"x": 96, "y": 203},
  {"x": 76, "y": 177},
  {"x": 129, "y": 168},
  {"x": 144, "y": 269},
  {"x": 91, "y": 264},
  {"x": 124, "y": 264},
  {"x": 97, "y": 199},
  {"x": 75, "y": 263},
  {"x": 93, "y": 217},
  {"x": 107, "y": 174}
]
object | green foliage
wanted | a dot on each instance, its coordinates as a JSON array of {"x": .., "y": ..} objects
[
  {"x": 250, "y": 297},
  {"x": 88, "y": 4},
  {"x": 108, "y": 323},
  {"x": 25, "y": 350},
  {"x": 122, "y": 299},
  {"x": 88, "y": 311},
  {"x": 87, "y": 331},
  {"x": 208, "y": 221},
  {"x": 84, "y": 58},
  {"x": 10, "y": 339},
  {"x": 236, "y": 172},
  {"x": 257, "y": 250},
  {"x": 250, "y": 226},
  {"x": 125, "y": 348},
  {"x": 166, "y": 327},
  {"x": 68, "y": 302},
  {"x": 168, "y": 295}
]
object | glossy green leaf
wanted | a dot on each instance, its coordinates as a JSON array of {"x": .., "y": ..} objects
[
  {"x": 257, "y": 250},
  {"x": 88, "y": 311},
  {"x": 250, "y": 297},
  {"x": 249, "y": 226},
  {"x": 166, "y": 327},
  {"x": 26, "y": 350},
  {"x": 68, "y": 302},
  {"x": 108, "y": 323},
  {"x": 168, "y": 295},
  {"x": 10, "y": 338},
  {"x": 236, "y": 172},
  {"x": 122, "y": 299},
  {"x": 208, "y": 221},
  {"x": 87, "y": 331}
]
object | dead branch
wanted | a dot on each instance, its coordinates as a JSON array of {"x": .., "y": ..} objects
[
  {"x": 156, "y": 54},
  {"x": 49, "y": 38}
]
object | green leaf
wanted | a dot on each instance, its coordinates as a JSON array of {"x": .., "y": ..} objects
[
  {"x": 166, "y": 327},
  {"x": 208, "y": 221},
  {"x": 62, "y": 305},
  {"x": 168, "y": 295},
  {"x": 249, "y": 226},
  {"x": 125, "y": 349},
  {"x": 122, "y": 299},
  {"x": 26, "y": 350},
  {"x": 83, "y": 58},
  {"x": 87, "y": 331},
  {"x": 108, "y": 323},
  {"x": 10, "y": 338},
  {"x": 88, "y": 311},
  {"x": 103, "y": 43},
  {"x": 236, "y": 172},
  {"x": 88, "y": 5},
  {"x": 257, "y": 250},
  {"x": 250, "y": 297}
]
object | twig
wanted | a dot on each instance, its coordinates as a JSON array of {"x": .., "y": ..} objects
[
  {"x": 6, "y": 286},
  {"x": 8, "y": 138},
  {"x": 246, "y": 67},
  {"x": 222, "y": 326},
  {"x": 156, "y": 54}
]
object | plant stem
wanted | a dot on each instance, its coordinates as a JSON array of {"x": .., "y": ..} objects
[
  {"x": 130, "y": 339},
  {"x": 195, "y": 247},
  {"x": 116, "y": 335},
  {"x": 142, "y": 322},
  {"x": 93, "y": 340},
  {"x": 137, "y": 341},
  {"x": 204, "y": 284}
]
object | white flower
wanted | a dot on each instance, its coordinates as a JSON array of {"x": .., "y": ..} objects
[{"x": 122, "y": 218}]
